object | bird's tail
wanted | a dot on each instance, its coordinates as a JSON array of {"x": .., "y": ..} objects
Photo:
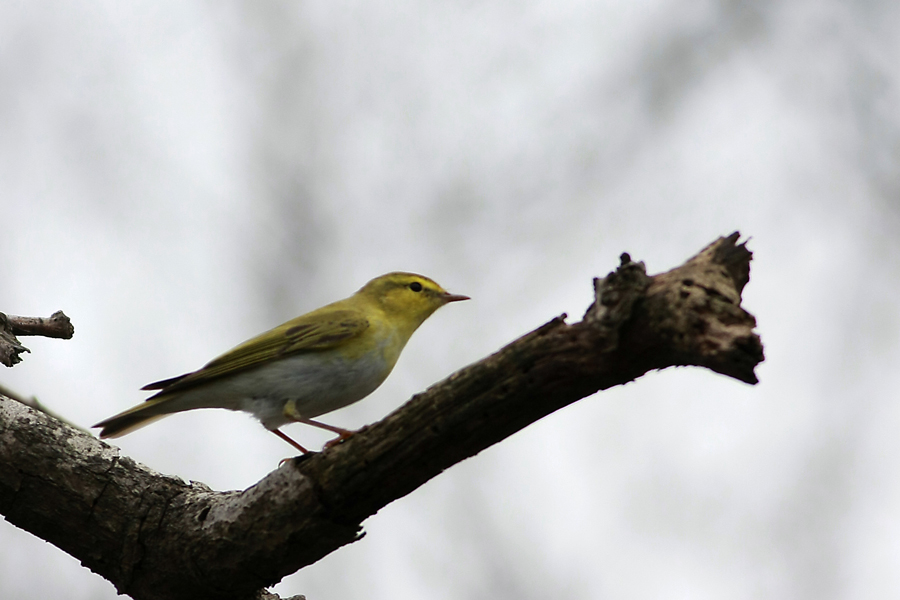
[{"x": 135, "y": 418}]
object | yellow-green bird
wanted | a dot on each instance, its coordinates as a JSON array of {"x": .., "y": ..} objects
[{"x": 314, "y": 364}]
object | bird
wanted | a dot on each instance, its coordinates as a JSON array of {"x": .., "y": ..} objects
[{"x": 313, "y": 364}]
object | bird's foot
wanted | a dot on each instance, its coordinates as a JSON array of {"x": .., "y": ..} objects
[{"x": 343, "y": 435}]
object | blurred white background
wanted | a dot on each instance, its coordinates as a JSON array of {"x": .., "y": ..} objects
[{"x": 179, "y": 176}]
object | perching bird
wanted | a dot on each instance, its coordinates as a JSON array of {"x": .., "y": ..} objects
[{"x": 311, "y": 365}]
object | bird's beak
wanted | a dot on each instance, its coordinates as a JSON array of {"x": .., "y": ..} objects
[{"x": 454, "y": 297}]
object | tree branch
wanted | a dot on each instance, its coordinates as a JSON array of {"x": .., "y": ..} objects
[
  {"x": 57, "y": 325},
  {"x": 36, "y": 404},
  {"x": 157, "y": 537}
]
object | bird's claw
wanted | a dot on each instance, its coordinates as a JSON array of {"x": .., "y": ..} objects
[{"x": 339, "y": 439}]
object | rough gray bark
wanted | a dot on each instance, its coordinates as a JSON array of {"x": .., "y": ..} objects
[{"x": 158, "y": 537}]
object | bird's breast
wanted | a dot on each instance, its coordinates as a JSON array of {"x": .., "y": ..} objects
[{"x": 317, "y": 382}]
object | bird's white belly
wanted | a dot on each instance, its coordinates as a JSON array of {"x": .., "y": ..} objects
[{"x": 317, "y": 383}]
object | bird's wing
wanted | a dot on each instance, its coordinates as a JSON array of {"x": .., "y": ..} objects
[{"x": 319, "y": 330}]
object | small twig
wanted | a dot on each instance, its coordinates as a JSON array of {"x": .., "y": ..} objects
[
  {"x": 34, "y": 403},
  {"x": 56, "y": 325}
]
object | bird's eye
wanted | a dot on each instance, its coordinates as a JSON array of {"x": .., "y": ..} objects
[{"x": 415, "y": 286}]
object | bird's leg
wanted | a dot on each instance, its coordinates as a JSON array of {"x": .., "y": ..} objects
[
  {"x": 291, "y": 412},
  {"x": 343, "y": 434},
  {"x": 284, "y": 436}
]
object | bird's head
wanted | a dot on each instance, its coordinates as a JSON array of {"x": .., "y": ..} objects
[{"x": 407, "y": 298}]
